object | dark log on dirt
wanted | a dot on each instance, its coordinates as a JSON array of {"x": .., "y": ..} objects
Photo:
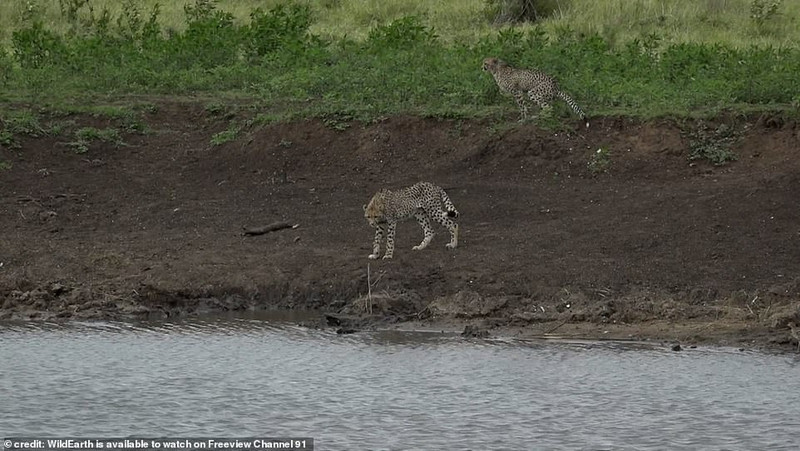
[{"x": 250, "y": 231}]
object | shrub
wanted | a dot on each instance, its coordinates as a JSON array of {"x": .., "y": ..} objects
[
  {"x": 36, "y": 47},
  {"x": 401, "y": 33},
  {"x": 283, "y": 27}
]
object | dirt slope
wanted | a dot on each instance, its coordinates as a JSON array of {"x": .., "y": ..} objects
[{"x": 656, "y": 247}]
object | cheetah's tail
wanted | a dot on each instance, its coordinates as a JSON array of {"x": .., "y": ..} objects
[
  {"x": 448, "y": 205},
  {"x": 574, "y": 106}
]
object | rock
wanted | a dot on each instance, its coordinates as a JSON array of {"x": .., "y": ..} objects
[
  {"x": 474, "y": 332},
  {"x": 47, "y": 215},
  {"x": 677, "y": 347}
]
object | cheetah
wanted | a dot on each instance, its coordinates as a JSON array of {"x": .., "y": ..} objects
[
  {"x": 540, "y": 87},
  {"x": 423, "y": 201}
]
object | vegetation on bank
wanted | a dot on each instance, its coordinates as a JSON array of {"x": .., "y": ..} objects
[
  {"x": 275, "y": 59},
  {"x": 737, "y": 23}
]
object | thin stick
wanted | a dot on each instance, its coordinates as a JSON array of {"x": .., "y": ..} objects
[
  {"x": 554, "y": 328},
  {"x": 269, "y": 228},
  {"x": 369, "y": 292}
]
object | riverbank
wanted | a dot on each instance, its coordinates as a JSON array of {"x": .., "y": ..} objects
[{"x": 610, "y": 231}]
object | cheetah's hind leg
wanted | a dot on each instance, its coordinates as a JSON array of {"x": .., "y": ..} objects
[
  {"x": 453, "y": 237},
  {"x": 443, "y": 218},
  {"x": 425, "y": 222},
  {"x": 523, "y": 107}
]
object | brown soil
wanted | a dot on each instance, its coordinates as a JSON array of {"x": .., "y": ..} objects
[{"x": 657, "y": 247}]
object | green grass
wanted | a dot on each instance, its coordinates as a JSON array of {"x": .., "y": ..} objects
[
  {"x": 22, "y": 122},
  {"x": 705, "y": 21},
  {"x": 727, "y": 22},
  {"x": 642, "y": 58},
  {"x": 227, "y": 135},
  {"x": 85, "y": 136},
  {"x": 15, "y": 123}
]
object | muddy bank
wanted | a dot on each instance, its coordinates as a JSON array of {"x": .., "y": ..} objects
[{"x": 644, "y": 243}]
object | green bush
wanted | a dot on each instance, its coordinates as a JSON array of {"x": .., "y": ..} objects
[
  {"x": 400, "y": 33},
  {"x": 35, "y": 47},
  {"x": 402, "y": 66},
  {"x": 281, "y": 28}
]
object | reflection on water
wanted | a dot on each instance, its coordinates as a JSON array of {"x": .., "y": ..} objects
[{"x": 232, "y": 377}]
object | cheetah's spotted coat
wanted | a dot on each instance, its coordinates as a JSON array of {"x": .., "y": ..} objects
[
  {"x": 422, "y": 201},
  {"x": 538, "y": 86}
]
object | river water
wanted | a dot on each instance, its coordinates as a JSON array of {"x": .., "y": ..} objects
[{"x": 229, "y": 377}]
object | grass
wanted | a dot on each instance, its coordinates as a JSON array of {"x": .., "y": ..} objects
[
  {"x": 227, "y": 135},
  {"x": 729, "y": 22},
  {"x": 404, "y": 57},
  {"x": 85, "y": 136}
]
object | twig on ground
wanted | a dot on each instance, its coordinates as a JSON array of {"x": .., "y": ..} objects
[
  {"x": 269, "y": 228},
  {"x": 556, "y": 327}
]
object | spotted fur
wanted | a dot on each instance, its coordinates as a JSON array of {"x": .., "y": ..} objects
[
  {"x": 422, "y": 201},
  {"x": 540, "y": 87}
]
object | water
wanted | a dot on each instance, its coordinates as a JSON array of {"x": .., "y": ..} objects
[{"x": 388, "y": 390}]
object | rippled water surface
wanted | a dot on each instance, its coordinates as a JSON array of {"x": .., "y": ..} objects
[{"x": 389, "y": 390}]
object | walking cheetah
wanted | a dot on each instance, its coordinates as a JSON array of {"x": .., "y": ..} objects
[
  {"x": 540, "y": 87},
  {"x": 423, "y": 201}
]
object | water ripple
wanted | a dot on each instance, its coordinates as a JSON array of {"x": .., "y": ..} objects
[{"x": 388, "y": 390}]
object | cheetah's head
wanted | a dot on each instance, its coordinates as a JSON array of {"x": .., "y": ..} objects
[
  {"x": 374, "y": 211},
  {"x": 491, "y": 64}
]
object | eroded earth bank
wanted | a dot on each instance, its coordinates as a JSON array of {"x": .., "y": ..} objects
[{"x": 639, "y": 243}]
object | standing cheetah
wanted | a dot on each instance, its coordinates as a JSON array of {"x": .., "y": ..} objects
[
  {"x": 540, "y": 87},
  {"x": 423, "y": 201}
]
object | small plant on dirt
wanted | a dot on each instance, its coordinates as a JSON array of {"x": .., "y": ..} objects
[
  {"x": 23, "y": 122},
  {"x": 86, "y": 135},
  {"x": 5, "y": 166},
  {"x": 600, "y": 161},
  {"x": 151, "y": 108},
  {"x": 713, "y": 144},
  {"x": 215, "y": 109},
  {"x": 132, "y": 123},
  {"x": 57, "y": 127},
  {"x": 338, "y": 122},
  {"x": 285, "y": 143},
  {"x": 226, "y": 135},
  {"x": 97, "y": 134},
  {"x": 7, "y": 140},
  {"x": 457, "y": 130}
]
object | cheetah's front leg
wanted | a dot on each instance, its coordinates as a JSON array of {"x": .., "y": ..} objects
[
  {"x": 390, "y": 240},
  {"x": 376, "y": 244}
]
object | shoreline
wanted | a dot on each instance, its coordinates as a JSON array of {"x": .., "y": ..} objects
[{"x": 652, "y": 244}]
